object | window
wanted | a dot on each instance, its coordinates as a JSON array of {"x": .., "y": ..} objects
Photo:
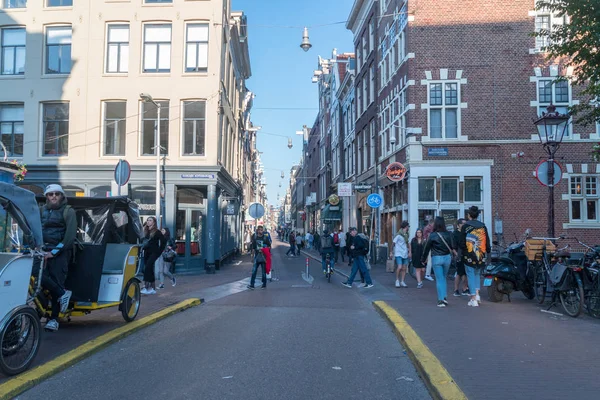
[
  {"x": 194, "y": 128},
  {"x": 196, "y": 48},
  {"x": 426, "y": 189},
  {"x": 149, "y": 116},
  {"x": 58, "y": 49},
  {"x": 443, "y": 110},
  {"x": 157, "y": 48},
  {"x": 15, "y": 3},
  {"x": 114, "y": 128},
  {"x": 373, "y": 84},
  {"x": 11, "y": 128},
  {"x": 584, "y": 198},
  {"x": 542, "y": 22},
  {"x": 59, "y": 3},
  {"x": 556, "y": 92},
  {"x": 157, "y": 1},
  {"x": 472, "y": 190},
  {"x": 12, "y": 56},
  {"x": 56, "y": 129},
  {"x": 117, "y": 49},
  {"x": 449, "y": 188},
  {"x": 371, "y": 35}
]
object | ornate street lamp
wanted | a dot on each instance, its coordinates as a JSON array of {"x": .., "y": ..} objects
[{"x": 552, "y": 127}]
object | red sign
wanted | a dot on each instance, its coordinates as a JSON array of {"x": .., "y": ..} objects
[{"x": 395, "y": 172}]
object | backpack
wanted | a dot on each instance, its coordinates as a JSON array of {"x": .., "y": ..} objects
[
  {"x": 336, "y": 238},
  {"x": 367, "y": 244},
  {"x": 326, "y": 242}
]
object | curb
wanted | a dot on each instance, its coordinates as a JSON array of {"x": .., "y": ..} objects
[
  {"x": 29, "y": 379},
  {"x": 440, "y": 384}
]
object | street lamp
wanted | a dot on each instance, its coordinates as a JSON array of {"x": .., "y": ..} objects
[
  {"x": 552, "y": 127},
  {"x": 146, "y": 98},
  {"x": 305, "y": 42}
]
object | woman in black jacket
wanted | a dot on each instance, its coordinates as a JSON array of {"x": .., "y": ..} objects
[
  {"x": 442, "y": 247},
  {"x": 417, "y": 246},
  {"x": 153, "y": 247}
]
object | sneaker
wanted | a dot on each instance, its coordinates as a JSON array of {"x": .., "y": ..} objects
[
  {"x": 456, "y": 293},
  {"x": 429, "y": 278},
  {"x": 324, "y": 272},
  {"x": 348, "y": 285},
  {"x": 64, "y": 302},
  {"x": 368, "y": 286},
  {"x": 473, "y": 303},
  {"x": 144, "y": 291},
  {"x": 466, "y": 292},
  {"x": 250, "y": 287},
  {"x": 445, "y": 301},
  {"x": 161, "y": 286},
  {"x": 174, "y": 281},
  {"x": 151, "y": 291},
  {"x": 402, "y": 284},
  {"x": 397, "y": 283},
  {"x": 51, "y": 326},
  {"x": 441, "y": 304},
  {"x": 478, "y": 299},
  {"x": 420, "y": 285}
]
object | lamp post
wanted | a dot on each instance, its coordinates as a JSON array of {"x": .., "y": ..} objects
[
  {"x": 146, "y": 98},
  {"x": 551, "y": 126}
]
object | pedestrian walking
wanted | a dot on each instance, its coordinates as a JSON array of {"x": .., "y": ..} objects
[
  {"x": 317, "y": 241},
  {"x": 342, "y": 237},
  {"x": 268, "y": 257},
  {"x": 348, "y": 245},
  {"x": 475, "y": 245},
  {"x": 292, "y": 241},
  {"x": 259, "y": 242},
  {"x": 326, "y": 248},
  {"x": 441, "y": 246},
  {"x": 427, "y": 230},
  {"x": 358, "y": 249},
  {"x": 336, "y": 245},
  {"x": 247, "y": 240},
  {"x": 298, "y": 242},
  {"x": 417, "y": 248},
  {"x": 460, "y": 278},
  {"x": 154, "y": 245},
  {"x": 401, "y": 253},
  {"x": 309, "y": 240},
  {"x": 164, "y": 263}
]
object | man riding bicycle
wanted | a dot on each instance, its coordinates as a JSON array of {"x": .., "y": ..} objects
[{"x": 327, "y": 249}]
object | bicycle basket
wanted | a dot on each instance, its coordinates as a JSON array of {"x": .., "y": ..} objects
[{"x": 534, "y": 247}]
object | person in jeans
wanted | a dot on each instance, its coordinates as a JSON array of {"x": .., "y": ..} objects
[
  {"x": 427, "y": 230},
  {"x": 475, "y": 246},
  {"x": 442, "y": 248},
  {"x": 259, "y": 241},
  {"x": 292, "y": 240},
  {"x": 327, "y": 248},
  {"x": 401, "y": 253},
  {"x": 460, "y": 278},
  {"x": 164, "y": 263},
  {"x": 358, "y": 250},
  {"x": 342, "y": 237},
  {"x": 154, "y": 245}
]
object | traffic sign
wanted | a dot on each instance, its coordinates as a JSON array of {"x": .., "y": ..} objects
[
  {"x": 374, "y": 200},
  {"x": 122, "y": 172},
  {"x": 541, "y": 173},
  {"x": 256, "y": 210}
]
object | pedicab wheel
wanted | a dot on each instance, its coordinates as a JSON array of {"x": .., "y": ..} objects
[
  {"x": 130, "y": 304},
  {"x": 19, "y": 341}
]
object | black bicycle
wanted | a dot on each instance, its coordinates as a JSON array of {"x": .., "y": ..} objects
[
  {"x": 329, "y": 271},
  {"x": 590, "y": 265}
]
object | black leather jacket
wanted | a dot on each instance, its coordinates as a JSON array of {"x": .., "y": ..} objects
[{"x": 437, "y": 246}]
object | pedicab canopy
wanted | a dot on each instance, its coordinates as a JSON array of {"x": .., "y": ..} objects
[{"x": 22, "y": 206}]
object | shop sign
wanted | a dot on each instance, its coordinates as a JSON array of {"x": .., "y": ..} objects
[
  {"x": 230, "y": 209},
  {"x": 197, "y": 176},
  {"x": 437, "y": 152},
  {"x": 147, "y": 207},
  {"x": 334, "y": 200},
  {"x": 395, "y": 172},
  {"x": 362, "y": 187},
  {"x": 344, "y": 189}
]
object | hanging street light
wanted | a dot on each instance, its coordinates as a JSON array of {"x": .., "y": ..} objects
[
  {"x": 305, "y": 45},
  {"x": 290, "y": 145}
]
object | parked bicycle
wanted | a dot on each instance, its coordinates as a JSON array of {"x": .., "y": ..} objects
[
  {"x": 552, "y": 273},
  {"x": 590, "y": 264}
]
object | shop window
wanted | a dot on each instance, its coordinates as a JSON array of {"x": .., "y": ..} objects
[
  {"x": 426, "y": 189},
  {"x": 472, "y": 190},
  {"x": 449, "y": 190}
]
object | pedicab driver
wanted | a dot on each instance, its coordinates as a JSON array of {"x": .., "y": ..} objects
[{"x": 59, "y": 228}]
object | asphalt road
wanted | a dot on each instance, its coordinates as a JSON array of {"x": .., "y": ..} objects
[{"x": 289, "y": 341}]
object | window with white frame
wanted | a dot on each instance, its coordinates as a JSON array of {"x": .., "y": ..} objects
[
  {"x": 546, "y": 21},
  {"x": 55, "y": 125},
  {"x": 149, "y": 126},
  {"x": 443, "y": 110},
  {"x": 583, "y": 190},
  {"x": 558, "y": 93},
  {"x": 194, "y": 128},
  {"x": 358, "y": 55},
  {"x": 12, "y": 51},
  {"x": 373, "y": 133},
  {"x": 14, "y": 3},
  {"x": 12, "y": 117},
  {"x": 472, "y": 190},
  {"x": 157, "y": 48},
  {"x": 115, "y": 127},
  {"x": 58, "y": 49},
  {"x": 372, "y": 35},
  {"x": 365, "y": 92},
  {"x": 372, "y": 83},
  {"x": 427, "y": 190},
  {"x": 59, "y": 3},
  {"x": 196, "y": 48},
  {"x": 449, "y": 190},
  {"x": 117, "y": 49}
]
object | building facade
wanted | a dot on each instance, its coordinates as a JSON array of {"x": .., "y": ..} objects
[{"x": 72, "y": 74}]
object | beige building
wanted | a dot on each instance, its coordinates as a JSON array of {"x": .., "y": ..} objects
[{"x": 71, "y": 74}]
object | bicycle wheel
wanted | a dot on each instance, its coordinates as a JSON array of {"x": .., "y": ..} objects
[
  {"x": 540, "y": 282},
  {"x": 19, "y": 341},
  {"x": 572, "y": 299},
  {"x": 593, "y": 304}
]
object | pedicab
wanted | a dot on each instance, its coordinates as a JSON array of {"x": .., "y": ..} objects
[
  {"x": 106, "y": 259},
  {"x": 19, "y": 324}
]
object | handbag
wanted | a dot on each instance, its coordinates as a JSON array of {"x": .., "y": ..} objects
[
  {"x": 260, "y": 257},
  {"x": 169, "y": 256},
  {"x": 390, "y": 265},
  {"x": 453, "y": 252}
]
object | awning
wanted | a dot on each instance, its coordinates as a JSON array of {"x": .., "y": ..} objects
[{"x": 332, "y": 213}]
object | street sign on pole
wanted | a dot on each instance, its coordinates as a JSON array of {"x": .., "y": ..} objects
[
  {"x": 344, "y": 189},
  {"x": 541, "y": 173},
  {"x": 256, "y": 210},
  {"x": 374, "y": 200},
  {"x": 122, "y": 174}
]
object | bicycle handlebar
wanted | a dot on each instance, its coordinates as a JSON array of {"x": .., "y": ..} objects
[
  {"x": 584, "y": 245},
  {"x": 547, "y": 238}
]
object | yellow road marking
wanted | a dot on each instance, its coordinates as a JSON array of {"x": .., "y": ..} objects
[
  {"x": 28, "y": 379},
  {"x": 437, "y": 379}
]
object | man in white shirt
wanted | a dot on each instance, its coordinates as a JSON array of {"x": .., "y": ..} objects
[
  {"x": 342, "y": 237},
  {"x": 401, "y": 253}
]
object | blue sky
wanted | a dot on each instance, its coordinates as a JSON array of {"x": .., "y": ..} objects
[{"x": 282, "y": 72}]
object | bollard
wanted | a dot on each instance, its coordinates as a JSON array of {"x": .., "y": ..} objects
[{"x": 307, "y": 274}]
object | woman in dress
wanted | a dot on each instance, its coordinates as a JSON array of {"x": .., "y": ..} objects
[
  {"x": 417, "y": 246},
  {"x": 153, "y": 247}
]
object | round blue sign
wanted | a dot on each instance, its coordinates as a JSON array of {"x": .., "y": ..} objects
[
  {"x": 374, "y": 200},
  {"x": 122, "y": 172}
]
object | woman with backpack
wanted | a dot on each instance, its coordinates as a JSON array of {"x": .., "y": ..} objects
[
  {"x": 165, "y": 263},
  {"x": 441, "y": 245}
]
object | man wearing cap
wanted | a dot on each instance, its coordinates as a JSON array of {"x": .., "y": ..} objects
[
  {"x": 358, "y": 250},
  {"x": 59, "y": 228}
]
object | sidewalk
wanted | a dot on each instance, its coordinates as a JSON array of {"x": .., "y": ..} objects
[{"x": 83, "y": 329}]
